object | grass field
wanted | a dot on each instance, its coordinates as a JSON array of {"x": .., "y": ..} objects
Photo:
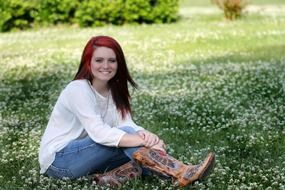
[
  {"x": 206, "y": 84},
  {"x": 203, "y": 3}
]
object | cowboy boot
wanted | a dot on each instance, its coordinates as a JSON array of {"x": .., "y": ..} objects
[
  {"x": 164, "y": 164},
  {"x": 118, "y": 176}
]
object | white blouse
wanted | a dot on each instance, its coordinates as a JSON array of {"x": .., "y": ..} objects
[{"x": 80, "y": 111}]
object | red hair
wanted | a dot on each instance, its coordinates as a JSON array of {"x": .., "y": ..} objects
[{"x": 119, "y": 83}]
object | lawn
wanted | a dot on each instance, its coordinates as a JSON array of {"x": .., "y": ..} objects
[
  {"x": 202, "y": 3},
  {"x": 205, "y": 84}
]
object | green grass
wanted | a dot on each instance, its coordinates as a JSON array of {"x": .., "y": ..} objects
[
  {"x": 206, "y": 84},
  {"x": 203, "y": 3}
]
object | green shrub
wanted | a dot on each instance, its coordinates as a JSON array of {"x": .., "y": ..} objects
[
  {"x": 99, "y": 12},
  {"x": 165, "y": 11},
  {"x": 232, "y": 8},
  {"x": 21, "y": 14},
  {"x": 56, "y": 11},
  {"x": 137, "y": 11},
  {"x": 152, "y": 11},
  {"x": 16, "y": 14}
]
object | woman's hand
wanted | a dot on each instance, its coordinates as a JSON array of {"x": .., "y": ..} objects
[
  {"x": 160, "y": 146},
  {"x": 149, "y": 138}
]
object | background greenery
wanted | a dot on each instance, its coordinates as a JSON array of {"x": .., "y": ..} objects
[
  {"x": 208, "y": 2},
  {"x": 18, "y": 14},
  {"x": 206, "y": 84}
]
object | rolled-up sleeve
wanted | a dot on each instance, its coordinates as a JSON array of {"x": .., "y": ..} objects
[{"x": 82, "y": 103}]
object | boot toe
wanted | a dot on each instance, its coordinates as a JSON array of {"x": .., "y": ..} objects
[{"x": 207, "y": 166}]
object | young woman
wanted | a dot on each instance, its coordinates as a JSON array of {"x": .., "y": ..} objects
[{"x": 91, "y": 131}]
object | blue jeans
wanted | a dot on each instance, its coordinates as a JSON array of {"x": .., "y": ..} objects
[{"x": 84, "y": 157}]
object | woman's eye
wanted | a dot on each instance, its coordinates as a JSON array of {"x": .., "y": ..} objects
[
  {"x": 112, "y": 60},
  {"x": 98, "y": 60}
]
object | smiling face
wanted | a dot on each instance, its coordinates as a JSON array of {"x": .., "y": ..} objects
[{"x": 103, "y": 64}]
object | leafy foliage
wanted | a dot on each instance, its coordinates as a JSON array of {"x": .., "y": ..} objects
[
  {"x": 18, "y": 14},
  {"x": 126, "y": 11},
  {"x": 56, "y": 11},
  {"x": 100, "y": 12}
]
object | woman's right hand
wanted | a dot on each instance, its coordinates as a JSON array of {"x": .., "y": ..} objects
[
  {"x": 150, "y": 139},
  {"x": 160, "y": 146}
]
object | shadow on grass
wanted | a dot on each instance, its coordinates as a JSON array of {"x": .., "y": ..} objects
[{"x": 264, "y": 54}]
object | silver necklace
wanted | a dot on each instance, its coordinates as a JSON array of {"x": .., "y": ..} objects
[{"x": 104, "y": 112}]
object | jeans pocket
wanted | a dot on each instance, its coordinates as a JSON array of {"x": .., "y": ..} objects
[{"x": 59, "y": 173}]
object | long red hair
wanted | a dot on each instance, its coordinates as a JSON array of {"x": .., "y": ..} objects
[{"x": 119, "y": 83}]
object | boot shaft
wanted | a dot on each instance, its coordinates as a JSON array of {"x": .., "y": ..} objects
[
  {"x": 118, "y": 176},
  {"x": 166, "y": 165}
]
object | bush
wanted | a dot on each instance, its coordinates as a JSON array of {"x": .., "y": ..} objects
[
  {"x": 16, "y": 14},
  {"x": 165, "y": 11},
  {"x": 19, "y": 14},
  {"x": 56, "y": 11},
  {"x": 99, "y": 12},
  {"x": 137, "y": 11},
  {"x": 232, "y": 8}
]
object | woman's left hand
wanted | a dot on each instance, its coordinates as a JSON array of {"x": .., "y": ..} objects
[{"x": 149, "y": 138}]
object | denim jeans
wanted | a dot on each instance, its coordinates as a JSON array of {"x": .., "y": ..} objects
[{"x": 84, "y": 157}]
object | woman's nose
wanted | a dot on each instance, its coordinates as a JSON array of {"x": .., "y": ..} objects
[{"x": 105, "y": 64}]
